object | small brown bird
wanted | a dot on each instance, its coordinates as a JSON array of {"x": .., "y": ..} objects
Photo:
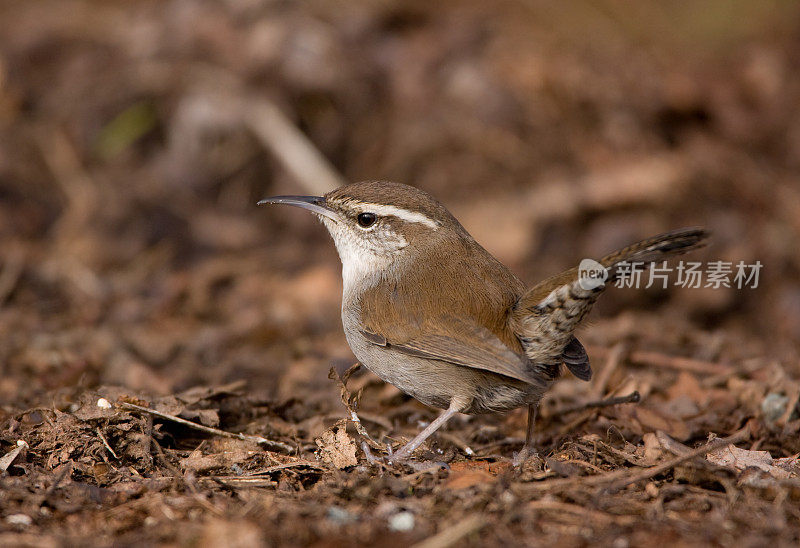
[{"x": 429, "y": 310}]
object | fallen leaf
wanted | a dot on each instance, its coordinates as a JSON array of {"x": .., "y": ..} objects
[
  {"x": 742, "y": 459},
  {"x": 653, "y": 451},
  {"x": 225, "y": 453},
  {"x": 688, "y": 386},
  {"x": 336, "y": 447},
  {"x": 652, "y": 420}
]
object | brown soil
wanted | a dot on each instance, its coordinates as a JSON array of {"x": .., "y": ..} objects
[{"x": 136, "y": 271}]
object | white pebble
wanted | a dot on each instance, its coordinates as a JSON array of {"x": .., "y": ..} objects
[
  {"x": 19, "y": 519},
  {"x": 22, "y": 443},
  {"x": 104, "y": 403},
  {"x": 404, "y": 521}
]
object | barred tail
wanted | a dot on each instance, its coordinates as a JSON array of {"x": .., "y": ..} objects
[{"x": 545, "y": 318}]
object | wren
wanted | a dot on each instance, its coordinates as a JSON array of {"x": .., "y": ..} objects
[{"x": 429, "y": 310}]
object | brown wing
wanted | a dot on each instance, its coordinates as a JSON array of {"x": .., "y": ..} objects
[{"x": 463, "y": 342}]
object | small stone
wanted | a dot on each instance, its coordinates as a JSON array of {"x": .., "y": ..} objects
[
  {"x": 22, "y": 443},
  {"x": 774, "y": 406},
  {"x": 403, "y": 521},
  {"x": 21, "y": 520},
  {"x": 340, "y": 515},
  {"x": 507, "y": 497},
  {"x": 103, "y": 403}
]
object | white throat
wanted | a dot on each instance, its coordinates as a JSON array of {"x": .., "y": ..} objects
[{"x": 362, "y": 266}]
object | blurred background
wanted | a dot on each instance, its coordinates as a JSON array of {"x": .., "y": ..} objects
[{"x": 136, "y": 138}]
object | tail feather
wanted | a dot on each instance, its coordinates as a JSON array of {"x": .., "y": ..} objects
[
  {"x": 658, "y": 248},
  {"x": 546, "y": 316}
]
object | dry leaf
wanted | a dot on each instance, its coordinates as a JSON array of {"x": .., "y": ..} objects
[
  {"x": 652, "y": 420},
  {"x": 336, "y": 447},
  {"x": 653, "y": 451},
  {"x": 741, "y": 459},
  {"x": 687, "y": 385},
  {"x": 226, "y": 453}
]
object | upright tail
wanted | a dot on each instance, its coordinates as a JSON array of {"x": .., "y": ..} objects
[
  {"x": 658, "y": 248},
  {"x": 546, "y": 316}
]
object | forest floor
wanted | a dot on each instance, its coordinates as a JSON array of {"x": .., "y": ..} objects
[{"x": 171, "y": 357}]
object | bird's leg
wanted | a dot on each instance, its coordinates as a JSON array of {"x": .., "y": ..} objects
[
  {"x": 411, "y": 446},
  {"x": 528, "y": 449}
]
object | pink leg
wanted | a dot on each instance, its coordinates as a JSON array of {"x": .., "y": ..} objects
[{"x": 411, "y": 446}]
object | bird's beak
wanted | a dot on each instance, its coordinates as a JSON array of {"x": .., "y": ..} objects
[{"x": 315, "y": 204}]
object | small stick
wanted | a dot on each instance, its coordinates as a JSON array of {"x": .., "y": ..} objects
[
  {"x": 285, "y": 465},
  {"x": 238, "y": 481},
  {"x": 8, "y": 459},
  {"x": 292, "y": 148},
  {"x": 633, "y": 397},
  {"x": 207, "y": 429},
  {"x": 66, "y": 470},
  {"x": 164, "y": 460},
  {"x": 613, "y": 359},
  {"x": 679, "y": 363},
  {"x": 453, "y": 534},
  {"x": 12, "y": 270},
  {"x": 105, "y": 442},
  {"x": 347, "y": 401},
  {"x": 794, "y": 390},
  {"x": 742, "y": 434},
  {"x": 567, "y": 508},
  {"x": 620, "y": 478}
]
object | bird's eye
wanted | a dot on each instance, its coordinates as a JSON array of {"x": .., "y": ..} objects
[{"x": 366, "y": 220}]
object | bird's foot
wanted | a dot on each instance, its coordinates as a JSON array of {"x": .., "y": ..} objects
[{"x": 527, "y": 452}]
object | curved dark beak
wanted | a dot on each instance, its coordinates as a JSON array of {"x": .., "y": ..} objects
[{"x": 315, "y": 204}]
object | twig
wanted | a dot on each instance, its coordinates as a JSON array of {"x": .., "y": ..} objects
[
  {"x": 350, "y": 404},
  {"x": 239, "y": 481},
  {"x": 794, "y": 390},
  {"x": 592, "y": 515},
  {"x": 680, "y": 363},
  {"x": 453, "y": 534},
  {"x": 742, "y": 434},
  {"x": 285, "y": 465},
  {"x": 189, "y": 481},
  {"x": 620, "y": 478},
  {"x": 12, "y": 270},
  {"x": 259, "y": 479},
  {"x": 458, "y": 442},
  {"x": 590, "y": 410},
  {"x": 105, "y": 442},
  {"x": 207, "y": 429},
  {"x": 66, "y": 469},
  {"x": 292, "y": 148},
  {"x": 163, "y": 458},
  {"x": 613, "y": 360},
  {"x": 633, "y": 397},
  {"x": 8, "y": 459},
  {"x": 671, "y": 445}
]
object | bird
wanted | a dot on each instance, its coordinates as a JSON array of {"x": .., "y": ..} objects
[{"x": 426, "y": 308}]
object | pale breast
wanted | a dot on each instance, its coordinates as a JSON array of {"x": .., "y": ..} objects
[{"x": 436, "y": 383}]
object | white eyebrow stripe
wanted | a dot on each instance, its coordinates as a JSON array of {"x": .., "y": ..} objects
[{"x": 400, "y": 213}]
